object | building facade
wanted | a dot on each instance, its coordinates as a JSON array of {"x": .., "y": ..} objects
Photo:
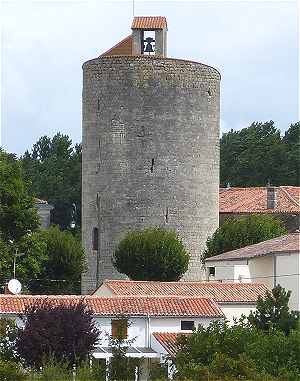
[
  {"x": 272, "y": 262},
  {"x": 150, "y": 149}
]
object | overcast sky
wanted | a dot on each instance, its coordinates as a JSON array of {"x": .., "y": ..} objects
[{"x": 44, "y": 44}]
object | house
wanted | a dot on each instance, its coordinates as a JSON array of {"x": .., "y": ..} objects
[
  {"x": 148, "y": 318},
  {"x": 234, "y": 299},
  {"x": 282, "y": 202},
  {"x": 272, "y": 262},
  {"x": 44, "y": 211}
]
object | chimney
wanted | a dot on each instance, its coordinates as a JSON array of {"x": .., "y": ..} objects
[{"x": 271, "y": 197}]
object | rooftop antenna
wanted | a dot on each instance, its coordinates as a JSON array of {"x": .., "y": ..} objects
[{"x": 133, "y": 8}]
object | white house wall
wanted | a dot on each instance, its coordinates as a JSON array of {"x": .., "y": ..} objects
[
  {"x": 235, "y": 311},
  {"x": 242, "y": 274},
  {"x": 174, "y": 324},
  {"x": 224, "y": 271},
  {"x": 103, "y": 290},
  {"x": 262, "y": 270},
  {"x": 289, "y": 264}
]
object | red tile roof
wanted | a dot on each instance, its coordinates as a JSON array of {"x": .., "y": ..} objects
[
  {"x": 254, "y": 200},
  {"x": 122, "y": 48},
  {"x": 220, "y": 292},
  {"x": 289, "y": 243},
  {"x": 168, "y": 341},
  {"x": 149, "y": 22},
  {"x": 107, "y": 306}
]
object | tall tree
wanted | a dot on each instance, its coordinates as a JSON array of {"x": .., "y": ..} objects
[
  {"x": 235, "y": 233},
  {"x": 291, "y": 141},
  {"x": 257, "y": 154},
  {"x": 273, "y": 312},
  {"x": 17, "y": 213},
  {"x": 54, "y": 169},
  {"x": 64, "y": 265}
]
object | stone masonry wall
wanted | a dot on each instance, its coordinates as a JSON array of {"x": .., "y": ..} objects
[{"x": 150, "y": 154}]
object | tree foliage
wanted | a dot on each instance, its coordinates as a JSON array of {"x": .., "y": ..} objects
[
  {"x": 121, "y": 367},
  {"x": 17, "y": 213},
  {"x": 54, "y": 169},
  {"x": 61, "y": 332},
  {"x": 151, "y": 254},
  {"x": 52, "y": 262},
  {"x": 273, "y": 312},
  {"x": 258, "y": 154},
  {"x": 8, "y": 335},
  {"x": 235, "y": 233},
  {"x": 223, "y": 352},
  {"x": 64, "y": 265}
]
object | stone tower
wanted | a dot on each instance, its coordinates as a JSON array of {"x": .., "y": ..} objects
[{"x": 150, "y": 148}]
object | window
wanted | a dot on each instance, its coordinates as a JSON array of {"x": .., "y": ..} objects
[
  {"x": 187, "y": 325},
  {"x": 119, "y": 328},
  {"x": 95, "y": 239},
  {"x": 211, "y": 271}
]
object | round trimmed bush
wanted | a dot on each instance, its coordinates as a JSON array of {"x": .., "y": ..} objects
[{"x": 151, "y": 254}]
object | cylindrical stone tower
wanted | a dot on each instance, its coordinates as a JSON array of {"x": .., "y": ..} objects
[{"x": 150, "y": 155}]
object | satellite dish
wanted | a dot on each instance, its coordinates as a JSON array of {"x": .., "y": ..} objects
[{"x": 14, "y": 286}]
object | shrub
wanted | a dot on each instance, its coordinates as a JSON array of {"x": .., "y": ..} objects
[
  {"x": 11, "y": 371},
  {"x": 64, "y": 332},
  {"x": 151, "y": 254}
]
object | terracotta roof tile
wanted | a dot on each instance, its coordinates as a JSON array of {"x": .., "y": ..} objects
[
  {"x": 254, "y": 200},
  {"x": 149, "y": 22},
  {"x": 220, "y": 292},
  {"x": 168, "y": 341},
  {"x": 107, "y": 306},
  {"x": 122, "y": 48},
  {"x": 289, "y": 243}
]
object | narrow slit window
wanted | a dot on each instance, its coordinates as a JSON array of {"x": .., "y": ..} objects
[
  {"x": 167, "y": 215},
  {"x": 152, "y": 165},
  {"x": 95, "y": 239},
  {"x": 98, "y": 104}
]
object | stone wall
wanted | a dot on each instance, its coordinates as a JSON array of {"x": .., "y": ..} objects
[{"x": 150, "y": 154}]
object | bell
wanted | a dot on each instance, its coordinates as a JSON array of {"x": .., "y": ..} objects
[{"x": 149, "y": 47}]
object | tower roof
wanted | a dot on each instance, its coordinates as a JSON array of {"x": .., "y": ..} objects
[{"x": 149, "y": 22}]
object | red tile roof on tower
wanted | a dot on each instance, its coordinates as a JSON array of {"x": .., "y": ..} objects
[
  {"x": 168, "y": 341},
  {"x": 220, "y": 292},
  {"x": 122, "y": 48},
  {"x": 108, "y": 306},
  {"x": 289, "y": 243},
  {"x": 254, "y": 200},
  {"x": 149, "y": 22}
]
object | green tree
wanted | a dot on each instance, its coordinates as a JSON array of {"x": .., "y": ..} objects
[
  {"x": 273, "y": 312},
  {"x": 151, "y": 254},
  {"x": 257, "y": 154},
  {"x": 291, "y": 141},
  {"x": 240, "y": 351},
  {"x": 8, "y": 335},
  {"x": 64, "y": 265},
  {"x": 54, "y": 169},
  {"x": 29, "y": 265},
  {"x": 121, "y": 367},
  {"x": 11, "y": 371},
  {"x": 17, "y": 213},
  {"x": 235, "y": 233}
]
